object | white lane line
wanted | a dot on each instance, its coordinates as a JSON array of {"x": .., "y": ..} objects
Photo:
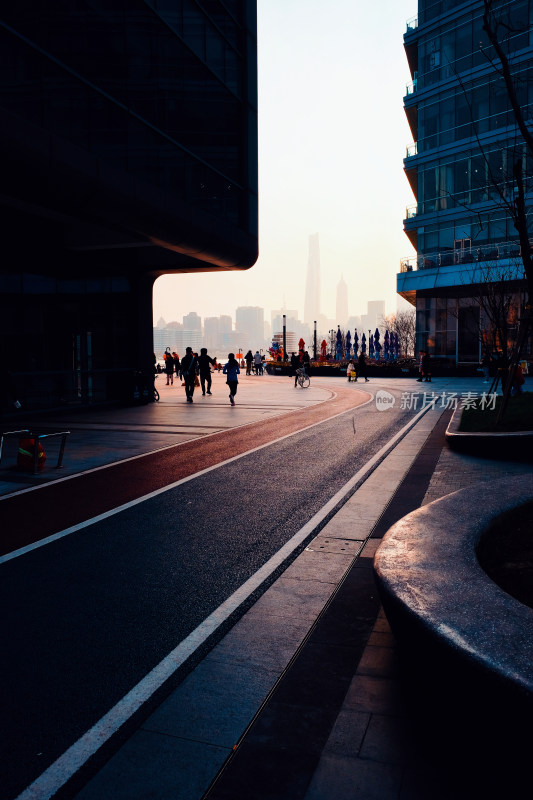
[
  {"x": 58, "y": 773},
  {"x": 192, "y": 438},
  {"x": 67, "y": 531}
]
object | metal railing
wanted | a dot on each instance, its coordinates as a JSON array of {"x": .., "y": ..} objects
[
  {"x": 36, "y": 438},
  {"x": 411, "y": 87},
  {"x": 467, "y": 255},
  {"x": 412, "y": 24}
]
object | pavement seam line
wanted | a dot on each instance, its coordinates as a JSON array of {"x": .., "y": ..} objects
[{"x": 76, "y": 756}]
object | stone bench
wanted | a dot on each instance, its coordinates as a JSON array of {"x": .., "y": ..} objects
[{"x": 466, "y": 644}]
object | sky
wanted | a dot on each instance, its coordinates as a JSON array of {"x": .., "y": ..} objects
[{"x": 332, "y": 138}]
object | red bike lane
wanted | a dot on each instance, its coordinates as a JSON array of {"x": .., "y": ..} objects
[{"x": 31, "y": 516}]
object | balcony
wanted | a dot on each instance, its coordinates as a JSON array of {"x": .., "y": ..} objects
[
  {"x": 503, "y": 251},
  {"x": 411, "y": 24},
  {"x": 411, "y": 87},
  {"x": 411, "y": 150}
]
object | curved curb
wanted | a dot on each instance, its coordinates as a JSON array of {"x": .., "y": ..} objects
[
  {"x": 436, "y": 594},
  {"x": 505, "y": 444}
]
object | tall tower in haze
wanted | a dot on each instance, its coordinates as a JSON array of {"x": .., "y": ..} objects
[
  {"x": 341, "y": 307},
  {"x": 312, "y": 283}
]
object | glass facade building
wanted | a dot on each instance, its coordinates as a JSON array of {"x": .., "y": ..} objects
[
  {"x": 128, "y": 130},
  {"x": 460, "y": 165}
]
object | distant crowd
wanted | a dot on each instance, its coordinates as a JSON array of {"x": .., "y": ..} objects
[{"x": 195, "y": 370}]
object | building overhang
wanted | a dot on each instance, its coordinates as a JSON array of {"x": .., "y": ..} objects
[
  {"x": 57, "y": 196},
  {"x": 456, "y": 280}
]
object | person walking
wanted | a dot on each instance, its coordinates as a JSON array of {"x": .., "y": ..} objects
[
  {"x": 485, "y": 366},
  {"x": 205, "y": 363},
  {"x": 189, "y": 365},
  {"x": 257, "y": 362},
  {"x": 421, "y": 366},
  {"x": 249, "y": 358},
  {"x": 361, "y": 364},
  {"x": 176, "y": 360},
  {"x": 169, "y": 367},
  {"x": 231, "y": 369},
  {"x": 426, "y": 367},
  {"x": 351, "y": 374}
]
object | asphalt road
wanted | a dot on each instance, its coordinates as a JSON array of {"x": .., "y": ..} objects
[{"x": 91, "y": 614}]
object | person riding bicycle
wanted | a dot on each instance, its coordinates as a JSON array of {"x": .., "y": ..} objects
[
  {"x": 307, "y": 363},
  {"x": 295, "y": 366}
]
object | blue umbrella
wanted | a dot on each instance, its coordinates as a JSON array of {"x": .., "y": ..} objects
[
  {"x": 348, "y": 344},
  {"x": 371, "y": 346},
  {"x": 363, "y": 343},
  {"x": 386, "y": 345},
  {"x": 338, "y": 354},
  {"x": 355, "y": 342},
  {"x": 377, "y": 345}
]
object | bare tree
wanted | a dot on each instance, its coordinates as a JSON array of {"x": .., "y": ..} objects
[
  {"x": 499, "y": 29},
  {"x": 496, "y": 291},
  {"x": 509, "y": 186},
  {"x": 498, "y": 26},
  {"x": 402, "y": 323}
]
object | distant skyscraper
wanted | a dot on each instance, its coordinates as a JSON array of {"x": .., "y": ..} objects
[
  {"x": 342, "y": 303},
  {"x": 312, "y": 284},
  {"x": 249, "y": 324},
  {"x": 192, "y": 321},
  {"x": 376, "y": 312}
]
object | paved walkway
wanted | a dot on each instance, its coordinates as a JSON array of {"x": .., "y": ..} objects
[{"x": 303, "y": 698}]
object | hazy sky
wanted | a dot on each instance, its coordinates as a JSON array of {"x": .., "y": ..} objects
[{"x": 332, "y": 138}]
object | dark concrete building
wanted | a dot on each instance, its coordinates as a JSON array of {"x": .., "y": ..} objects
[
  {"x": 460, "y": 167},
  {"x": 128, "y": 134}
]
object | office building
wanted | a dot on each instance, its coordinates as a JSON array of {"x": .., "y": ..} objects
[
  {"x": 192, "y": 321},
  {"x": 459, "y": 167},
  {"x": 312, "y": 282},
  {"x": 219, "y": 336},
  {"x": 250, "y": 327},
  {"x": 128, "y": 135},
  {"x": 298, "y": 329},
  {"x": 341, "y": 306}
]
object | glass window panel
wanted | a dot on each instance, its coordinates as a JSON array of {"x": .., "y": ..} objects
[
  {"x": 499, "y": 103},
  {"x": 215, "y": 51},
  {"x": 447, "y": 121},
  {"x": 463, "y": 115},
  {"x": 461, "y": 177},
  {"x": 478, "y": 180},
  {"x": 446, "y": 238},
  {"x": 194, "y": 28},
  {"x": 479, "y": 41},
  {"x": 480, "y": 108},
  {"x": 463, "y": 47},
  {"x": 431, "y": 126}
]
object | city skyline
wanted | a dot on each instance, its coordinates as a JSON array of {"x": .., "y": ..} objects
[
  {"x": 332, "y": 138},
  {"x": 252, "y": 330}
]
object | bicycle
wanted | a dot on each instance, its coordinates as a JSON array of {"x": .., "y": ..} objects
[{"x": 302, "y": 379}]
